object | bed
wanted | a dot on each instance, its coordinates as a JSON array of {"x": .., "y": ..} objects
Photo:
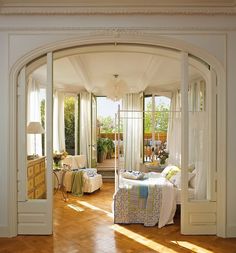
[{"x": 150, "y": 199}]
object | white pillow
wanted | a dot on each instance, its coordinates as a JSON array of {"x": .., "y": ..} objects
[
  {"x": 176, "y": 179},
  {"x": 69, "y": 162},
  {"x": 191, "y": 175},
  {"x": 80, "y": 161},
  {"x": 192, "y": 180},
  {"x": 191, "y": 167}
]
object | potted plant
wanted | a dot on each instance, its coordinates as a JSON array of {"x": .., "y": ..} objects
[
  {"x": 58, "y": 157},
  {"x": 101, "y": 149},
  {"x": 110, "y": 148},
  {"x": 163, "y": 154}
]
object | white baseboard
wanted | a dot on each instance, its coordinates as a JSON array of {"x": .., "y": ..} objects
[
  {"x": 231, "y": 231},
  {"x": 4, "y": 232}
]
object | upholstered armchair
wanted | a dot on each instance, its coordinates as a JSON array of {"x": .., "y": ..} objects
[{"x": 91, "y": 180}]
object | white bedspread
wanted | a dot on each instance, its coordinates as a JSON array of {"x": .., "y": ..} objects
[
  {"x": 149, "y": 201},
  {"x": 169, "y": 201}
]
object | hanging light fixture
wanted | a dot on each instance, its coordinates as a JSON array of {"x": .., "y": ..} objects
[{"x": 116, "y": 88}]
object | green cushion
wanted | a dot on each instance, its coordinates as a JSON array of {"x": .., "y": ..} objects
[{"x": 173, "y": 171}]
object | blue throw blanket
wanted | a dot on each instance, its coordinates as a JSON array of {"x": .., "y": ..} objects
[{"x": 143, "y": 191}]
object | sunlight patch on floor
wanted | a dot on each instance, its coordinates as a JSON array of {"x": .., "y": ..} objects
[
  {"x": 192, "y": 247},
  {"x": 76, "y": 208},
  {"x": 142, "y": 240},
  {"x": 84, "y": 203}
]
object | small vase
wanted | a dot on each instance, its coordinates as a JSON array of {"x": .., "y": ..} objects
[
  {"x": 162, "y": 162},
  {"x": 57, "y": 164}
]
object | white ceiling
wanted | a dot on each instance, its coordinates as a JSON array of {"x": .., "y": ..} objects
[{"x": 94, "y": 70}]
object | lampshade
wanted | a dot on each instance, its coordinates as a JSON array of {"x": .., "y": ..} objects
[
  {"x": 116, "y": 88},
  {"x": 35, "y": 127}
]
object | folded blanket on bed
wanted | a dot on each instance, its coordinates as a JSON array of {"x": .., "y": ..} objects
[{"x": 136, "y": 175}]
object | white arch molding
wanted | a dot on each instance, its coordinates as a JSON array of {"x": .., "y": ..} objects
[{"x": 132, "y": 37}]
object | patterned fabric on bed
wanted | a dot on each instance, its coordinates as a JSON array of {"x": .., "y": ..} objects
[
  {"x": 148, "y": 202},
  {"x": 132, "y": 207}
]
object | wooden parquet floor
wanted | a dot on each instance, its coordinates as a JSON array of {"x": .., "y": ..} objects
[{"x": 85, "y": 225}]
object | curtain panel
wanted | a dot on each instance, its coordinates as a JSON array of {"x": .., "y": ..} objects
[
  {"x": 58, "y": 122},
  {"x": 85, "y": 125},
  {"x": 174, "y": 130},
  {"x": 133, "y": 130},
  {"x": 33, "y": 114},
  {"x": 198, "y": 135}
]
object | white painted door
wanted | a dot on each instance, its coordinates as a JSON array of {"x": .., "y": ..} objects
[
  {"x": 198, "y": 214},
  {"x": 35, "y": 175},
  {"x": 93, "y": 131}
]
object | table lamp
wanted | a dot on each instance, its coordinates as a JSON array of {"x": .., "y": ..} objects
[{"x": 35, "y": 127}]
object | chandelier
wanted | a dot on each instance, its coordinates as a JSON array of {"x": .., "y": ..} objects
[{"x": 116, "y": 88}]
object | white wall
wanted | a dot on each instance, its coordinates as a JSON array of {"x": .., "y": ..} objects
[
  {"x": 4, "y": 134},
  {"x": 27, "y": 33},
  {"x": 231, "y": 135}
]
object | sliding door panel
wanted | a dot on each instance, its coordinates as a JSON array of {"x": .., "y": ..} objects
[
  {"x": 198, "y": 211},
  {"x": 35, "y": 147}
]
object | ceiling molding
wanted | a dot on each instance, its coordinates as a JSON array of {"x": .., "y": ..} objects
[
  {"x": 70, "y": 90},
  {"x": 125, "y": 7},
  {"x": 81, "y": 71},
  {"x": 107, "y": 31},
  {"x": 148, "y": 73}
]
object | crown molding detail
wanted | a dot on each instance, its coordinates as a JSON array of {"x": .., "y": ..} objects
[
  {"x": 98, "y": 10},
  {"x": 116, "y": 32}
]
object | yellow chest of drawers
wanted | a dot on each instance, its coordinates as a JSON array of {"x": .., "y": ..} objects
[{"x": 36, "y": 178}]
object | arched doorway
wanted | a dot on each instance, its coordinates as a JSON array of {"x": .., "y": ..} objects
[{"x": 156, "y": 41}]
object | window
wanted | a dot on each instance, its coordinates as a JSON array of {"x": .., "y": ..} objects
[
  {"x": 69, "y": 111},
  {"x": 155, "y": 123},
  {"x": 106, "y": 110}
]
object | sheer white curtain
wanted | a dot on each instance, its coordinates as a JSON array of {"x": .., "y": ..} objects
[
  {"x": 33, "y": 114},
  {"x": 85, "y": 125},
  {"x": 132, "y": 130},
  {"x": 58, "y": 122},
  {"x": 198, "y": 139},
  {"x": 174, "y": 130}
]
